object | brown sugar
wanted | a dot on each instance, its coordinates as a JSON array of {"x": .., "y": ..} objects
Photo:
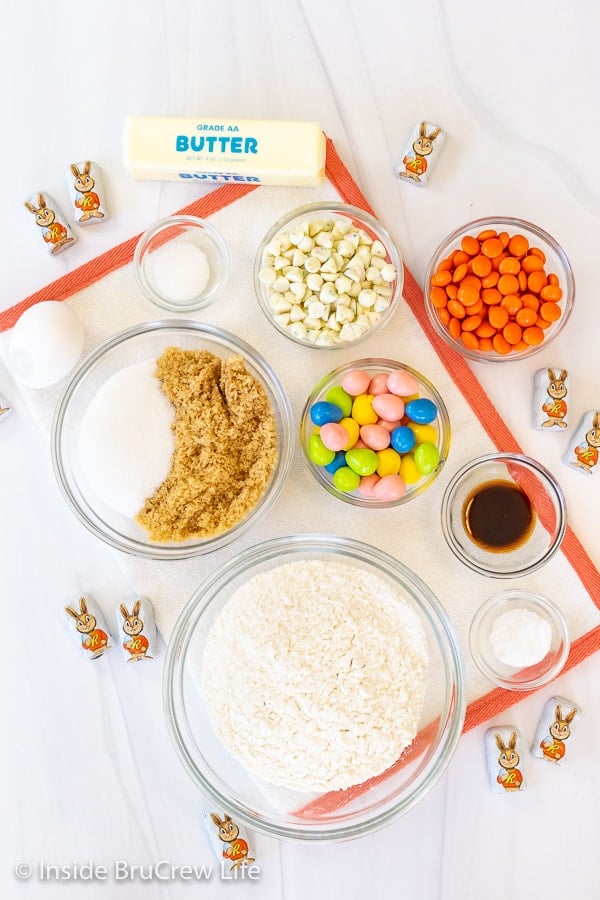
[{"x": 225, "y": 446}]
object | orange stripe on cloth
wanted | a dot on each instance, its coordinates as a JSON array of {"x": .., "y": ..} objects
[
  {"x": 118, "y": 256},
  {"x": 478, "y": 712}
]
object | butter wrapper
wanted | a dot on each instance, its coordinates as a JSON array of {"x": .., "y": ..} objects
[{"x": 162, "y": 148}]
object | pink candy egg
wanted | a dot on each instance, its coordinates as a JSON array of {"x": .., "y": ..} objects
[
  {"x": 334, "y": 436},
  {"x": 389, "y": 406},
  {"x": 402, "y": 383},
  {"x": 356, "y": 382},
  {"x": 360, "y": 445},
  {"x": 378, "y": 384},
  {"x": 390, "y": 487},
  {"x": 389, "y": 426},
  {"x": 375, "y": 437},
  {"x": 367, "y": 484}
]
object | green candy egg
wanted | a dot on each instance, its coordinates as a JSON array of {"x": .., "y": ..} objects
[
  {"x": 427, "y": 457},
  {"x": 346, "y": 480},
  {"x": 362, "y": 461},
  {"x": 318, "y": 452},
  {"x": 338, "y": 395}
]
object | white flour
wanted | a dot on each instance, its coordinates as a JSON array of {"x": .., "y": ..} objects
[{"x": 314, "y": 675}]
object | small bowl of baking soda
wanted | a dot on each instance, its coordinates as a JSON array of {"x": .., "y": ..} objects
[
  {"x": 519, "y": 640},
  {"x": 182, "y": 263}
]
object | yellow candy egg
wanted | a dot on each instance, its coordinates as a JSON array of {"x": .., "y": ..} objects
[
  {"x": 353, "y": 429},
  {"x": 424, "y": 433},
  {"x": 388, "y": 462},
  {"x": 408, "y": 469},
  {"x": 362, "y": 410}
]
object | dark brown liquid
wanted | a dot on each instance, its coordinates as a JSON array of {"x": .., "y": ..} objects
[{"x": 498, "y": 516}]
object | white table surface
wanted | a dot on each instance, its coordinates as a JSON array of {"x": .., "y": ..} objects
[{"x": 87, "y": 770}]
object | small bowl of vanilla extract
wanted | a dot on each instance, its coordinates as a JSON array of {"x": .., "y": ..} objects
[{"x": 504, "y": 515}]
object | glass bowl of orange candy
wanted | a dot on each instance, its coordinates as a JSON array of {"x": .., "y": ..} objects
[{"x": 499, "y": 289}]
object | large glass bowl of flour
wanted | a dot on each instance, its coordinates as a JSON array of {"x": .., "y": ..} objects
[
  {"x": 279, "y": 708},
  {"x": 131, "y": 429}
]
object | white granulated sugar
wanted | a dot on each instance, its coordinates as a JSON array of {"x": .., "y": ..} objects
[
  {"x": 125, "y": 440},
  {"x": 520, "y": 637},
  {"x": 314, "y": 675},
  {"x": 179, "y": 270}
]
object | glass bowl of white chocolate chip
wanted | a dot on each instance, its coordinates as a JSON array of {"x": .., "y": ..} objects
[{"x": 328, "y": 275}]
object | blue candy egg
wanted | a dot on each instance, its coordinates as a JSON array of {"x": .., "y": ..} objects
[
  {"x": 337, "y": 462},
  {"x": 323, "y": 412},
  {"x": 421, "y": 410},
  {"x": 403, "y": 439}
]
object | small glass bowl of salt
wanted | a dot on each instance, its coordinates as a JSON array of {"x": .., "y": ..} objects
[
  {"x": 519, "y": 640},
  {"x": 182, "y": 263}
]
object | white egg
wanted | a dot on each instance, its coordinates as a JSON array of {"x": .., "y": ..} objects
[{"x": 45, "y": 344}]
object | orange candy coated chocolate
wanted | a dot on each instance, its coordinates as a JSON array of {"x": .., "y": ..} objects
[{"x": 493, "y": 293}]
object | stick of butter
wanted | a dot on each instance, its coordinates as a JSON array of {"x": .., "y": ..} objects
[{"x": 218, "y": 150}]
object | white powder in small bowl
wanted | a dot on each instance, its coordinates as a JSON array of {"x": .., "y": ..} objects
[
  {"x": 314, "y": 675},
  {"x": 178, "y": 270},
  {"x": 125, "y": 440},
  {"x": 520, "y": 637}
]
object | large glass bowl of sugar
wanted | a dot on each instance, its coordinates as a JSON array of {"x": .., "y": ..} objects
[{"x": 111, "y": 516}]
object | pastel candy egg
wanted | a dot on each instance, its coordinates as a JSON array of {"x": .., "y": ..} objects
[
  {"x": 403, "y": 439},
  {"x": 323, "y": 412},
  {"x": 389, "y": 407},
  {"x": 388, "y": 462},
  {"x": 346, "y": 480},
  {"x": 378, "y": 384},
  {"x": 423, "y": 432},
  {"x": 421, "y": 410},
  {"x": 334, "y": 436},
  {"x": 363, "y": 462},
  {"x": 336, "y": 463},
  {"x": 362, "y": 410},
  {"x": 318, "y": 452},
  {"x": 408, "y": 469},
  {"x": 402, "y": 383},
  {"x": 427, "y": 457},
  {"x": 367, "y": 483},
  {"x": 390, "y": 487},
  {"x": 375, "y": 437},
  {"x": 338, "y": 396},
  {"x": 356, "y": 382},
  {"x": 389, "y": 426},
  {"x": 352, "y": 430}
]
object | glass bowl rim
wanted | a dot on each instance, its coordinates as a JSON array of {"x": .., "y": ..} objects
[
  {"x": 552, "y": 613},
  {"x": 542, "y": 234},
  {"x": 429, "y": 606},
  {"x": 342, "y": 208},
  {"x": 446, "y": 431},
  {"x": 232, "y": 343},
  {"x": 195, "y": 303},
  {"x": 528, "y": 463}
]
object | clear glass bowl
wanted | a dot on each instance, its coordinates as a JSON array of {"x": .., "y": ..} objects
[
  {"x": 329, "y": 211},
  {"x": 556, "y": 262},
  {"x": 340, "y": 815},
  {"x": 426, "y": 390},
  {"x": 549, "y": 515},
  {"x": 511, "y": 677},
  {"x": 135, "y": 345},
  {"x": 182, "y": 263}
]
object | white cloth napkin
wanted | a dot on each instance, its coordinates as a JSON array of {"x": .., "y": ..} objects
[{"x": 410, "y": 532}]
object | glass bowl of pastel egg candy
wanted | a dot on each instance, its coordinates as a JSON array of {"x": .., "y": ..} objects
[
  {"x": 328, "y": 275},
  {"x": 375, "y": 433},
  {"x": 498, "y": 289}
]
